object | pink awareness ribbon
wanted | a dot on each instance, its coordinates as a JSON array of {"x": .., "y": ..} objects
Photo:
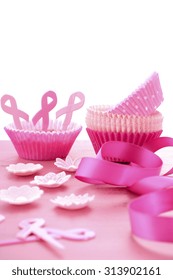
[
  {"x": 46, "y": 107},
  {"x": 72, "y": 106},
  {"x": 13, "y": 110},
  {"x": 141, "y": 176},
  {"x": 32, "y": 229}
]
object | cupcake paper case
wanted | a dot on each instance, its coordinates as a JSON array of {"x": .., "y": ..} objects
[
  {"x": 103, "y": 126},
  {"x": 42, "y": 138},
  {"x": 135, "y": 119},
  {"x": 143, "y": 101},
  {"x": 41, "y": 145}
]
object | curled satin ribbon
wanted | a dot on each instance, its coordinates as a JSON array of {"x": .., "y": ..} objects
[
  {"x": 13, "y": 110},
  {"x": 98, "y": 170},
  {"x": 141, "y": 176},
  {"x": 72, "y": 106},
  {"x": 46, "y": 107},
  {"x": 145, "y": 216}
]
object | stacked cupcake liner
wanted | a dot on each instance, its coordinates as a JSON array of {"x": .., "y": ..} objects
[
  {"x": 135, "y": 120},
  {"x": 143, "y": 101},
  {"x": 98, "y": 118},
  {"x": 98, "y": 138}
]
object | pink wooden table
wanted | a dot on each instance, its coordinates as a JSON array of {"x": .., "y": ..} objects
[{"x": 107, "y": 215}]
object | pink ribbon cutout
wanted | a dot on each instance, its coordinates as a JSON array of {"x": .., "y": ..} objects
[
  {"x": 72, "y": 106},
  {"x": 141, "y": 176},
  {"x": 46, "y": 107},
  {"x": 32, "y": 230},
  {"x": 13, "y": 110}
]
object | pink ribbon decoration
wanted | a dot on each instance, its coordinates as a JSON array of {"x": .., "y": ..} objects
[
  {"x": 35, "y": 226},
  {"x": 141, "y": 176},
  {"x": 30, "y": 232},
  {"x": 46, "y": 107},
  {"x": 13, "y": 110},
  {"x": 72, "y": 106}
]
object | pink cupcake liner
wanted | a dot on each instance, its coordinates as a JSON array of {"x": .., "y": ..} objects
[
  {"x": 98, "y": 138},
  {"x": 41, "y": 145},
  {"x": 144, "y": 101}
]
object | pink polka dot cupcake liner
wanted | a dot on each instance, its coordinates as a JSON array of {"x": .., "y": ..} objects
[{"x": 144, "y": 100}]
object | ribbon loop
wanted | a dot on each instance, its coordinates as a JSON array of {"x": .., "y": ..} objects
[
  {"x": 13, "y": 110},
  {"x": 46, "y": 107},
  {"x": 145, "y": 216},
  {"x": 144, "y": 163},
  {"x": 72, "y": 106}
]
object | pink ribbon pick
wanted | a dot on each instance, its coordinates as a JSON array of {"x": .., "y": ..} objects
[
  {"x": 13, "y": 110},
  {"x": 76, "y": 234},
  {"x": 34, "y": 226},
  {"x": 72, "y": 106},
  {"x": 45, "y": 109}
]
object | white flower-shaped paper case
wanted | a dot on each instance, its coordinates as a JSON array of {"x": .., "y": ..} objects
[
  {"x": 73, "y": 201},
  {"x": 20, "y": 195},
  {"x": 51, "y": 180},
  {"x": 24, "y": 169},
  {"x": 68, "y": 164}
]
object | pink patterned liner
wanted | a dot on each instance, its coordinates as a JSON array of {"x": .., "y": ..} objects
[
  {"x": 143, "y": 101},
  {"x": 40, "y": 145}
]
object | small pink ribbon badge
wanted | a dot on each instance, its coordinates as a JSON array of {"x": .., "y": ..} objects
[
  {"x": 33, "y": 229},
  {"x": 46, "y": 107},
  {"x": 72, "y": 106},
  {"x": 13, "y": 110}
]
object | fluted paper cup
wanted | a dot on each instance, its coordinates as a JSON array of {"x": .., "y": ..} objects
[
  {"x": 32, "y": 143},
  {"x": 98, "y": 138},
  {"x": 143, "y": 101}
]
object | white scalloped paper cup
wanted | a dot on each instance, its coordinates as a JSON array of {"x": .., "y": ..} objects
[
  {"x": 97, "y": 118},
  {"x": 32, "y": 143},
  {"x": 103, "y": 126}
]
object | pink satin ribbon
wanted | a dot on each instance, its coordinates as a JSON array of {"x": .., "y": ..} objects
[{"x": 141, "y": 176}]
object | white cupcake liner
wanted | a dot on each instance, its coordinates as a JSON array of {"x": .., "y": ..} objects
[{"x": 98, "y": 118}]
